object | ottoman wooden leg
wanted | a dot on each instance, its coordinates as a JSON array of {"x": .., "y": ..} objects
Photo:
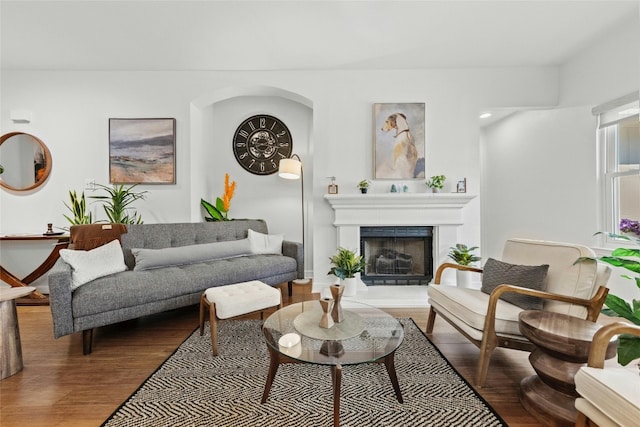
[
  {"x": 213, "y": 326},
  {"x": 203, "y": 306}
]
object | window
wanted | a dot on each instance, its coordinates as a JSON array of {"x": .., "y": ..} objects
[{"x": 619, "y": 142}]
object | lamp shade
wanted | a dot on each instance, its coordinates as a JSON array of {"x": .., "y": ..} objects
[{"x": 290, "y": 169}]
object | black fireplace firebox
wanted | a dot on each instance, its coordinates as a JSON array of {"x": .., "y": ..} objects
[{"x": 398, "y": 255}]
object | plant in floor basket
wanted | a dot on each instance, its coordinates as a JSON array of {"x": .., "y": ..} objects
[
  {"x": 364, "y": 185},
  {"x": 79, "y": 209},
  {"x": 116, "y": 203},
  {"x": 346, "y": 264},
  {"x": 220, "y": 211},
  {"x": 629, "y": 259},
  {"x": 436, "y": 183}
]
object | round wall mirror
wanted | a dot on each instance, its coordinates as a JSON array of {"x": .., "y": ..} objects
[{"x": 25, "y": 161}]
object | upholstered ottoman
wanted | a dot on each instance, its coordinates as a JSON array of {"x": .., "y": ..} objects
[{"x": 234, "y": 300}]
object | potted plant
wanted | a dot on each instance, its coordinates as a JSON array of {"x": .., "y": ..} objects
[
  {"x": 627, "y": 258},
  {"x": 436, "y": 183},
  {"x": 346, "y": 264},
  {"x": 220, "y": 211},
  {"x": 364, "y": 186},
  {"x": 463, "y": 255},
  {"x": 116, "y": 204},
  {"x": 79, "y": 209}
]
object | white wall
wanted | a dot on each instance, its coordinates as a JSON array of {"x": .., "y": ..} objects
[
  {"x": 539, "y": 167},
  {"x": 71, "y": 112}
]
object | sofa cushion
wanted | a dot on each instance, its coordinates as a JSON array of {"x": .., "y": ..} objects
[
  {"x": 90, "y": 265},
  {"x": 470, "y": 307},
  {"x": 495, "y": 273},
  {"x": 147, "y": 259},
  {"x": 614, "y": 391},
  {"x": 265, "y": 243}
]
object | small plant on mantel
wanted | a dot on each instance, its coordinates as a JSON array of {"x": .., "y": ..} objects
[
  {"x": 463, "y": 255},
  {"x": 364, "y": 185},
  {"x": 436, "y": 182}
]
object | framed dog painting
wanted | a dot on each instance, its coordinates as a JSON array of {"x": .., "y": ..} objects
[
  {"x": 398, "y": 141},
  {"x": 142, "y": 151}
]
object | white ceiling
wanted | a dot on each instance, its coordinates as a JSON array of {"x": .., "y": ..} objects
[{"x": 300, "y": 35}]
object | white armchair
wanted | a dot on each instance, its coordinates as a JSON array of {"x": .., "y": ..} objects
[
  {"x": 576, "y": 289},
  {"x": 609, "y": 395}
]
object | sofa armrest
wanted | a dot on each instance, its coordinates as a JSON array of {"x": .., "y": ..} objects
[
  {"x": 295, "y": 250},
  {"x": 60, "y": 296}
]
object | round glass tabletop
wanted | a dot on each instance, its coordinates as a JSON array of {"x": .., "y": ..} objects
[{"x": 365, "y": 335}]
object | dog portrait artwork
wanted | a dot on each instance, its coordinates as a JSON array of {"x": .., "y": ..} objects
[{"x": 399, "y": 141}]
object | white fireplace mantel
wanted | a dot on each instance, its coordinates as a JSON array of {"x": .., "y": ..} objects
[
  {"x": 398, "y": 208},
  {"x": 442, "y": 211}
]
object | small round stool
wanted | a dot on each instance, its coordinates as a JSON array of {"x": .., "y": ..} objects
[
  {"x": 228, "y": 301},
  {"x": 562, "y": 347}
]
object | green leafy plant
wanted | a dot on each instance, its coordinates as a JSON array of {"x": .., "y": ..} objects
[
  {"x": 463, "y": 255},
  {"x": 436, "y": 181},
  {"x": 220, "y": 211},
  {"x": 364, "y": 184},
  {"x": 346, "y": 264},
  {"x": 627, "y": 258},
  {"x": 117, "y": 203},
  {"x": 79, "y": 209}
]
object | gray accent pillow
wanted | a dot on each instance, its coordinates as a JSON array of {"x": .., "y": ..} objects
[
  {"x": 147, "y": 259},
  {"x": 496, "y": 273}
]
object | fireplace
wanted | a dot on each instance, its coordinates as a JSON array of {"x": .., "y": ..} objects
[{"x": 397, "y": 255}]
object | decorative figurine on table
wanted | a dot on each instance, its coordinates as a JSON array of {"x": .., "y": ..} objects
[
  {"x": 336, "y": 292},
  {"x": 326, "y": 321}
]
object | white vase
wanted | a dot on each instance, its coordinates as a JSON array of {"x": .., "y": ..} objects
[
  {"x": 463, "y": 278},
  {"x": 350, "y": 286}
]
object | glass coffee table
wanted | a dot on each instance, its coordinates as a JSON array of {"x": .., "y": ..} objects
[{"x": 366, "y": 335}]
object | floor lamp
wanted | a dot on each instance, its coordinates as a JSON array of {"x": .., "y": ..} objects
[{"x": 291, "y": 168}]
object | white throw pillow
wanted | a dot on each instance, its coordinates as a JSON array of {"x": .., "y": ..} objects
[
  {"x": 265, "y": 243},
  {"x": 89, "y": 265}
]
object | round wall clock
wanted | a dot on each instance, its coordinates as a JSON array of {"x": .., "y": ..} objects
[{"x": 260, "y": 142}]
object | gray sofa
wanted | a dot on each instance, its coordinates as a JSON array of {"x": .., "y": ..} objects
[{"x": 131, "y": 294}]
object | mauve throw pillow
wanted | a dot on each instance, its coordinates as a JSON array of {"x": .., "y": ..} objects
[{"x": 496, "y": 273}]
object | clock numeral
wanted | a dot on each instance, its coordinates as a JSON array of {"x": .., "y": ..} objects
[
  {"x": 252, "y": 162},
  {"x": 261, "y": 166},
  {"x": 252, "y": 126},
  {"x": 283, "y": 133},
  {"x": 241, "y": 144},
  {"x": 283, "y": 144},
  {"x": 273, "y": 125},
  {"x": 243, "y": 155},
  {"x": 243, "y": 133},
  {"x": 273, "y": 164},
  {"x": 282, "y": 156},
  {"x": 263, "y": 122}
]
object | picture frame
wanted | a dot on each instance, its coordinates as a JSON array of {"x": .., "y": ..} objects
[
  {"x": 142, "y": 151},
  {"x": 461, "y": 186},
  {"x": 399, "y": 140}
]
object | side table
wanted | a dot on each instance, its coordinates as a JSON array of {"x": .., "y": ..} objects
[
  {"x": 562, "y": 348},
  {"x": 10, "y": 347},
  {"x": 36, "y": 298}
]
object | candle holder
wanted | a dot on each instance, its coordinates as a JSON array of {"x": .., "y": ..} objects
[
  {"x": 336, "y": 292},
  {"x": 326, "y": 321}
]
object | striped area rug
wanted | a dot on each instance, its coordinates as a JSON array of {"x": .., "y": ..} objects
[{"x": 193, "y": 388}]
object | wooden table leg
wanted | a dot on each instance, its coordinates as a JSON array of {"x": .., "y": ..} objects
[
  {"x": 274, "y": 362},
  {"x": 336, "y": 379},
  {"x": 391, "y": 370}
]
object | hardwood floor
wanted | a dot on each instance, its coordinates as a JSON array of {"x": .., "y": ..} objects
[{"x": 61, "y": 387}]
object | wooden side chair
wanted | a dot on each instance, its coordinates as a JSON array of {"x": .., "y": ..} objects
[{"x": 576, "y": 289}]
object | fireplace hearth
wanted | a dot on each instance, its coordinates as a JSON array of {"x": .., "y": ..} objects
[{"x": 397, "y": 255}]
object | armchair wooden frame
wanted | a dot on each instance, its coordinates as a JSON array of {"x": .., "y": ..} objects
[
  {"x": 597, "y": 354},
  {"x": 490, "y": 340}
]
